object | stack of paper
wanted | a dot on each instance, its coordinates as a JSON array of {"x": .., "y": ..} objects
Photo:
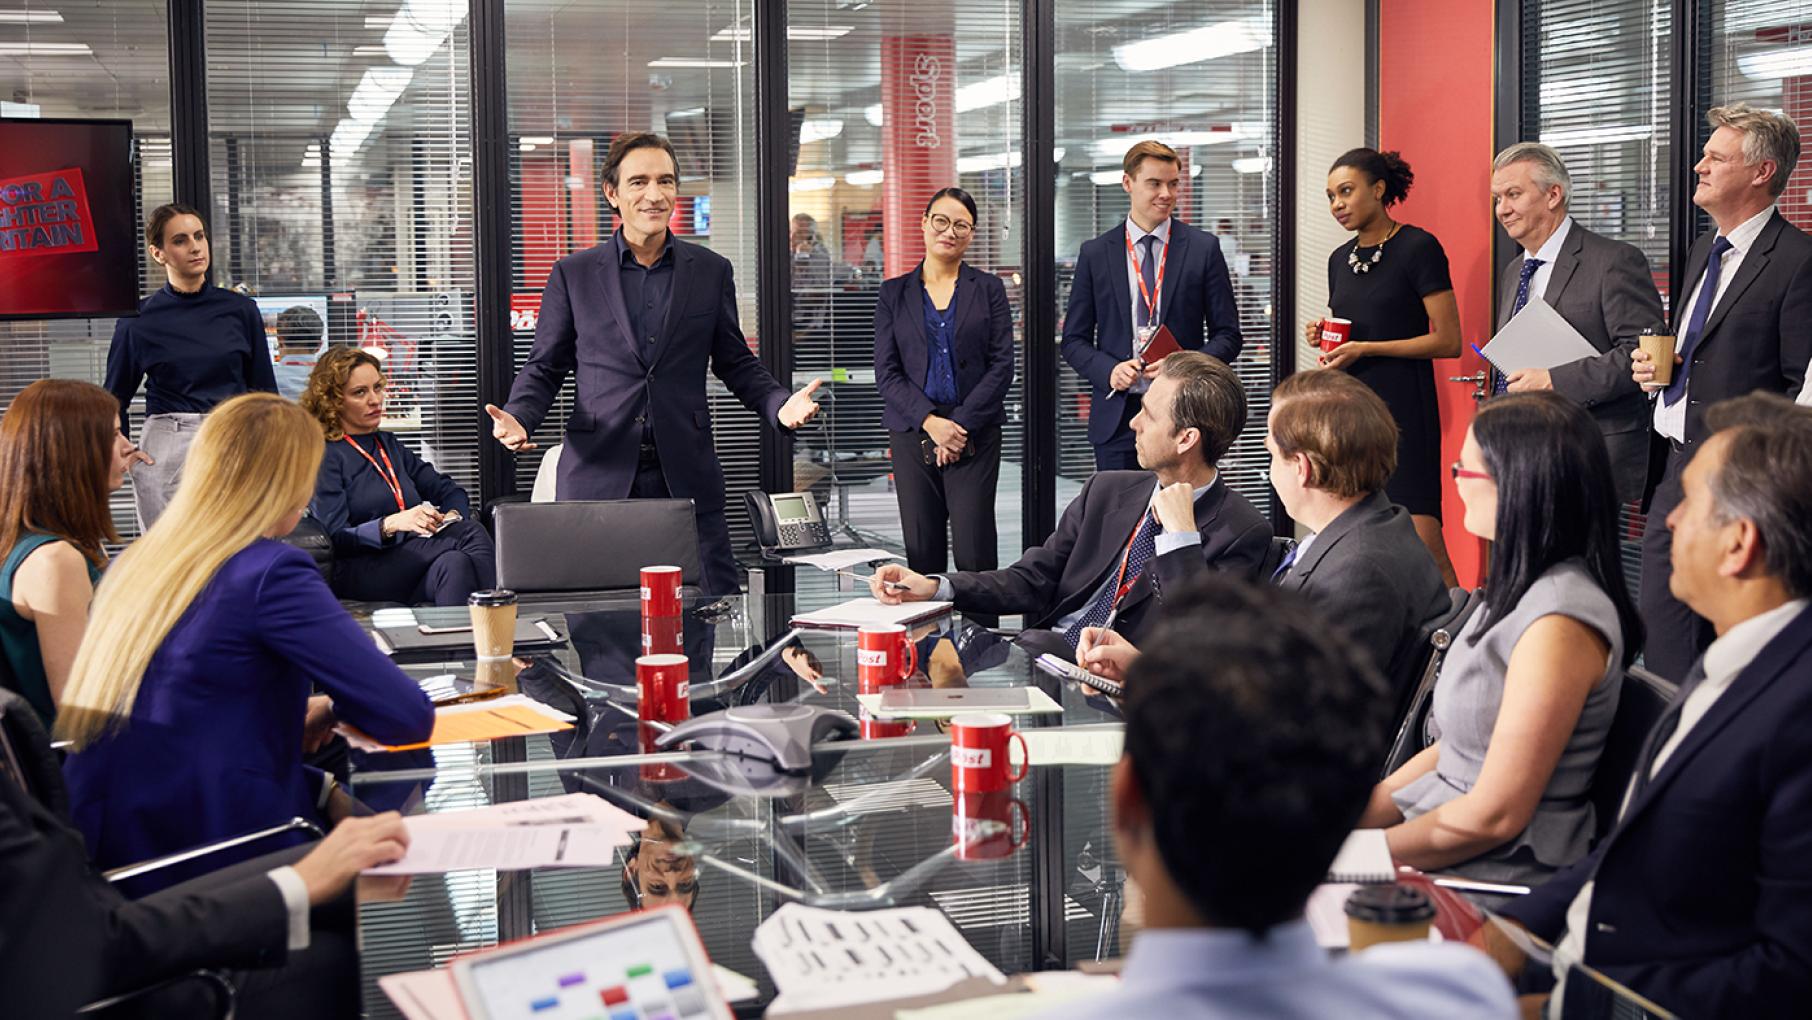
[
  {"x": 840, "y": 559},
  {"x": 1364, "y": 857},
  {"x": 578, "y": 830},
  {"x": 869, "y": 613},
  {"x": 828, "y": 959},
  {"x": 513, "y": 715}
]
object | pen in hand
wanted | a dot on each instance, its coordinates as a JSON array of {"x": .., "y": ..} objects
[{"x": 889, "y": 585}]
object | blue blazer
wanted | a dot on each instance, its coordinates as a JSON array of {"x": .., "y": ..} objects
[
  {"x": 1197, "y": 305},
  {"x": 1703, "y": 892},
  {"x": 352, "y": 498},
  {"x": 584, "y": 329},
  {"x": 982, "y": 344},
  {"x": 213, "y": 747}
]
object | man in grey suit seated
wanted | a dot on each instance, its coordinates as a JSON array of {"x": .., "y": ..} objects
[{"x": 1603, "y": 288}]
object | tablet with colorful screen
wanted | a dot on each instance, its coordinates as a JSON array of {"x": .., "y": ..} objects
[{"x": 643, "y": 966}]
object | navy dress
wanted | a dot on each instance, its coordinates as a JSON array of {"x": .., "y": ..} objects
[{"x": 352, "y": 498}]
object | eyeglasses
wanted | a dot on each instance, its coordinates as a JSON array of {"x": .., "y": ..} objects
[
  {"x": 1461, "y": 472},
  {"x": 940, "y": 223}
]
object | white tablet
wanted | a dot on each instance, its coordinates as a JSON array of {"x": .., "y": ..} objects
[{"x": 639, "y": 966}]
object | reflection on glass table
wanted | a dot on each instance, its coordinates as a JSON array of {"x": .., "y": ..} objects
[{"x": 1554, "y": 985}]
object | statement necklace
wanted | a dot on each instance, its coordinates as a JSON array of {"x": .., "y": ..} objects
[{"x": 1359, "y": 265}]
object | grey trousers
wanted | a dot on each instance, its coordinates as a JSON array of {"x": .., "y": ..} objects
[{"x": 166, "y": 439}]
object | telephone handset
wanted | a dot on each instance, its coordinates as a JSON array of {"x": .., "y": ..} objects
[{"x": 786, "y": 521}]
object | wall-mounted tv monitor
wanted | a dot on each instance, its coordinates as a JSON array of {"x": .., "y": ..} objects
[{"x": 69, "y": 244}]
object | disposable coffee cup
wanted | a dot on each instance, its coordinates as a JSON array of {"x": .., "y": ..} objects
[
  {"x": 1660, "y": 350},
  {"x": 493, "y": 622},
  {"x": 1387, "y": 913}
]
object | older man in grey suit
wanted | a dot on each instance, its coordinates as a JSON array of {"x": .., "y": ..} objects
[{"x": 1603, "y": 288}]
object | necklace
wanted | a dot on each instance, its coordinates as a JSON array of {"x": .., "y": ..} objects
[{"x": 1359, "y": 265}]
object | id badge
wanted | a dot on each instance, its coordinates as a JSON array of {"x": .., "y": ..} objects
[{"x": 1146, "y": 334}]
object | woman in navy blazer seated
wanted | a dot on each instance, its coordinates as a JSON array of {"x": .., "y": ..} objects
[
  {"x": 187, "y": 700},
  {"x": 402, "y": 531},
  {"x": 943, "y": 363}
]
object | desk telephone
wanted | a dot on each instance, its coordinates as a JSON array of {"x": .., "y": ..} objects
[{"x": 787, "y": 521}]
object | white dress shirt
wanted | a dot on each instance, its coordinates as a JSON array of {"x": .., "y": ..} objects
[
  {"x": 1547, "y": 253},
  {"x": 1805, "y": 390},
  {"x": 1137, "y": 233},
  {"x": 295, "y": 901},
  {"x": 1724, "y": 660},
  {"x": 1671, "y": 421}
]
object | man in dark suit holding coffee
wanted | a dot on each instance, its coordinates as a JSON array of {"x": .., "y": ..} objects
[{"x": 1602, "y": 288}]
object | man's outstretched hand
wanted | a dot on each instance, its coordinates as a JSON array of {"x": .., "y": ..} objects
[
  {"x": 800, "y": 407},
  {"x": 507, "y": 430}
]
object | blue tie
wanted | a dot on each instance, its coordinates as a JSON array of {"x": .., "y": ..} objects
[
  {"x": 1289, "y": 561},
  {"x": 1148, "y": 270},
  {"x": 1695, "y": 325},
  {"x": 1144, "y": 545},
  {"x": 1501, "y": 384}
]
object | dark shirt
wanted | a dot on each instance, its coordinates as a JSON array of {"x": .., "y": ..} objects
[
  {"x": 647, "y": 293},
  {"x": 190, "y": 351},
  {"x": 352, "y": 498},
  {"x": 940, "y": 365}
]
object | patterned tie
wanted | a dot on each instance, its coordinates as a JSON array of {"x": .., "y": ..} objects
[
  {"x": 1501, "y": 384},
  {"x": 1664, "y": 729},
  {"x": 1695, "y": 325},
  {"x": 1148, "y": 270},
  {"x": 1289, "y": 561},
  {"x": 1144, "y": 544}
]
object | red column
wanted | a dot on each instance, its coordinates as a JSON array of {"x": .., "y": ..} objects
[{"x": 918, "y": 137}]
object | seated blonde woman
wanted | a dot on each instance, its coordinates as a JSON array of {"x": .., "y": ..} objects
[{"x": 186, "y": 701}]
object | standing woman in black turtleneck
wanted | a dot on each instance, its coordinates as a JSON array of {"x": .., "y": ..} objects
[{"x": 192, "y": 345}]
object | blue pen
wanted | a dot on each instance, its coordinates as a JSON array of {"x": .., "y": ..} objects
[{"x": 1476, "y": 350}]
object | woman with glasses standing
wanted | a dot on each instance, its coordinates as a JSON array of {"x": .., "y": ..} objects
[
  {"x": 192, "y": 346},
  {"x": 943, "y": 364}
]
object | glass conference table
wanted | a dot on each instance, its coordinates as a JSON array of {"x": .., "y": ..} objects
[{"x": 870, "y": 825}]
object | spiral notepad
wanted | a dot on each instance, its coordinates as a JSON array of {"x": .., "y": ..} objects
[{"x": 1364, "y": 857}]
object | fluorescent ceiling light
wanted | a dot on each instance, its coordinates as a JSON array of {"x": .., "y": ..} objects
[
  {"x": 1206, "y": 43},
  {"x": 372, "y": 50},
  {"x": 45, "y": 49},
  {"x": 526, "y": 147},
  {"x": 439, "y": 15},
  {"x": 1597, "y": 135},
  {"x": 30, "y": 18},
  {"x": 818, "y": 129},
  {"x": 811, "y": 183},
  {"x": 1246, "y": 165},
  {"x": 347, "y": 136},
  {"x": 1105, "y": 178},
  {"x": 691, "y": 111},
  {"x": 378, "y": 20},
  {"x": 376, "y": 91},
  {"x": 690, "y": 62},
  {"x": 1775, "y": 64},
  {"x": 990, "y": 161},
  {"x": 873, "y": 115},
  {"x": 739, "y": 32},
  {"x": 537, "y": 139},
  {"x": 1195, "y": 169},
  {"x": 989, "y": 92},
  {"x": 1118, "y": 144},
  {"x": 863, "y": 178}
]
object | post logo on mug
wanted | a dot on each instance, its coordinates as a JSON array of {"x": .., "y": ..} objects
[
  {"x": 971, "y": 757},
  {"x": 978, "y": 753},
  {"x": 884, "y": 657}
]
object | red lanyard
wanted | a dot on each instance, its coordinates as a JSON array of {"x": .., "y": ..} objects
[
  {"x": 387, "y": 472},
  {"x": 1151, "y": 296},
  {"x": 1121, "y": 584}
]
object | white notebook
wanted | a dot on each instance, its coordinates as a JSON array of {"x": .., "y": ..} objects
[
  {"x": 1536, "y": 337},
  {"x": 1364, "y": 857},
  {"x": 868, "y": 613}
]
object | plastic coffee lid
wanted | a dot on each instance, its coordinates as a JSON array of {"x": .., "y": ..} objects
[
  {"x": 1389, "y": 903},
  {"x": 492, "y": 597}
]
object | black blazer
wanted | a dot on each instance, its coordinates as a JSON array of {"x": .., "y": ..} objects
[
  {"x": 352, "y": 499},
  {"x": 1370, "y": 574},
  {"x": 1703, "y": 894},
  {"x": 1604, "y": 289},
  {"x": 584, "y": 331},
  {"x": 1197, "y": 305},
  {"x": 1055, "y": 579},
  {"x": 1759, "y": 334},
  {"x": 982, "y": 344}
]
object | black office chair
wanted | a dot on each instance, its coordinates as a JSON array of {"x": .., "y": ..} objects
[
  {"x": 584, "y": 546},
  {"x": 1438, "y": 636},
  {"x": 313, "y": 539},
  {"x": 1641, "y": 701}
]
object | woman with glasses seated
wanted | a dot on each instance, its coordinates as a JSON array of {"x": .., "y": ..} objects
[
  {"x": 943, "y": 364},
  {"x": 1525, "y": 697},
  {"x": 402, "y": 531}
]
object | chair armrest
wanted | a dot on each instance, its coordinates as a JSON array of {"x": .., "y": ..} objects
[
  {"x": 225, "y": 995},
  {"x": 120, "y": 874}
]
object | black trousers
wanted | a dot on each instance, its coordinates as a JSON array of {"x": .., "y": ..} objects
[
  {"x": 959, "y": 497},
  {"x": 717, "y": 560},
  {"x": 441, "y": 570},
  {"x": 1119, "y": 452},
  {"x": 1677, "y": 636}
]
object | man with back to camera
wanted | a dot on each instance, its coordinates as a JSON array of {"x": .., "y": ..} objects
[
  {"x": 1152, "y": 270},
  {"x": 1701, "y": 896},
  {"x": 1251, "y": 745},
  {"x": 1742, "y": 321},
  {"x": 299, "y": 335},
  {"x": 1602, "y": 288},
  {"x": 1124, "y": 540},
  {"x": 639, "y": 318}
]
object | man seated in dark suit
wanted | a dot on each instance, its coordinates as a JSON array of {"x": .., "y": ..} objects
[
  {"x": 68, "y": 937},
  {"x": 1602, "y": 288},
  {"x": 1128, "y": 535},
  {"x": 1701, "y": 897}
]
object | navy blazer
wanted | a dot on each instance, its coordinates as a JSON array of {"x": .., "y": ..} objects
[
  {"x": 584, "y": 329},
  {"x": 352, "y": 498},
  {"x": 982, "y": 344},
  {"x": 213, "y": 747},
  {"x": 1197, "y": 305},
  {"x": 1703, "y": 892}
]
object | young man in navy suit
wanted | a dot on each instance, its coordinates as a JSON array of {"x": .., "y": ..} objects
[
  {"x": 639, "y": 318},
  {"x": 1153, "y": 270},
  {"x": 1701, "y": 898}
]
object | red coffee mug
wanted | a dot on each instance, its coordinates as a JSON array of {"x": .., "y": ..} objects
[
  {"x": 659, "y": 772},
  {"x": 883, "y": 729},
  {"x": 969, "y": 812},
  {"x": 661, "y": 635},
  {"x": 978, "y": 753},
  {"x": 660, "y": 591},
  {"x": 663, "y": 688},
  {"x": 1334, "y": 332},
  {"x": 884, "y": 656}
]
